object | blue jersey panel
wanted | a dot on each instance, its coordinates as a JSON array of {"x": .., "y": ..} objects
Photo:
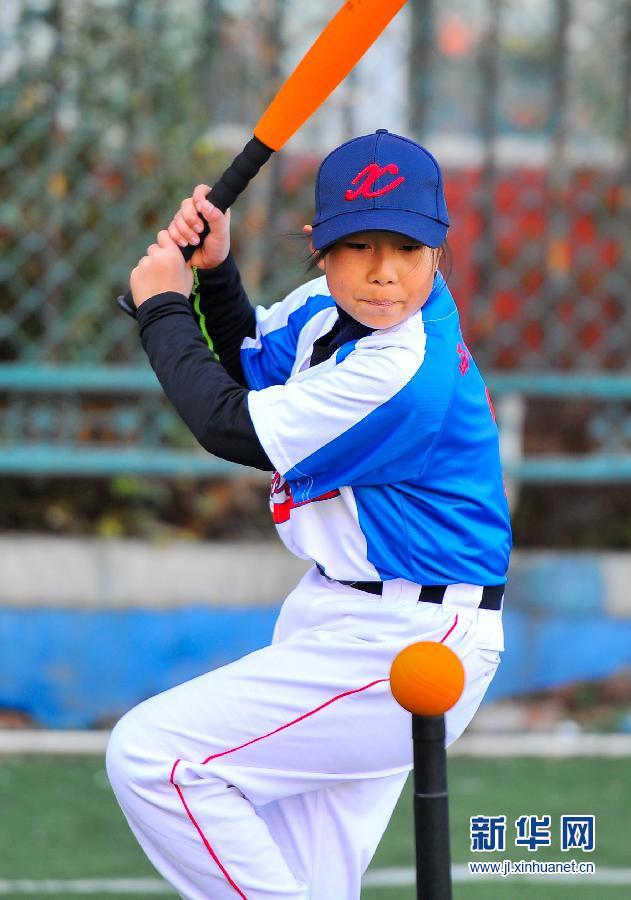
[
  {"x": 270, "y": 361},
  {"x": 452, "y": 525},
  {"x": 394, "y": 434}
]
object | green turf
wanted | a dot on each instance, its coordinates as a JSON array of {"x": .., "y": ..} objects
[
  {"x": 59, "y": 820},
  {"x": 461, "y": 892},
  {"x": 506, "y": 891},
  {"x": 515, "y": 787}
]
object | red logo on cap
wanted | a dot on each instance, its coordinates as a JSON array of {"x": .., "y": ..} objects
[{"x": 371, "y": 174}]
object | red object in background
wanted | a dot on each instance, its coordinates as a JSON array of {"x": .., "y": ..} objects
[{"x": 550, "y": 268}]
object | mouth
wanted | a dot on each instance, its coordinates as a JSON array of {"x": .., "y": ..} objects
[{"x": 384, "y": 303}]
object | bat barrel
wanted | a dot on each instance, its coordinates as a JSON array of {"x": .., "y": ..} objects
[{"x": 431, "y": 812}]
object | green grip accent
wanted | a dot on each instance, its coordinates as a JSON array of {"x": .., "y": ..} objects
[{"x": 201, "y": 318}]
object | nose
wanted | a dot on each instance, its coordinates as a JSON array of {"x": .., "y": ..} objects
[{"x": 383, "y": 269}]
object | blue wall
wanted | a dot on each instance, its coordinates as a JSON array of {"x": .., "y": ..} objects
[{"x": 76, "y": 669}]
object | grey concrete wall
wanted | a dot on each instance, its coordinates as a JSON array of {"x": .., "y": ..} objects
[
  {"x": 84, "y": 573},
  {"x": 94, "y": 573}
]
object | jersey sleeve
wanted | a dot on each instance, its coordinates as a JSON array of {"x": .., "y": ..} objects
[
  {"x": 268, "y": 357},
  {"x": 370, "y": 419}
]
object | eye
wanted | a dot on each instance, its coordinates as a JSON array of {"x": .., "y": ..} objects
[
  {"x": 410, "y": 248},
  {"x": 356, "y": 245}
]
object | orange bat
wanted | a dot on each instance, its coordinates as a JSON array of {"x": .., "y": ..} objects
[{"x": 335, "y": 52}]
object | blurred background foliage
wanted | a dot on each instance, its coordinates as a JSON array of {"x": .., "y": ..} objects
[
  {"x": 158, "y": 509},
  {"x": 185, "y": 508}
]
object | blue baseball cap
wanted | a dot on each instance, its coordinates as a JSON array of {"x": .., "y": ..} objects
[{"x": 380, "y": 182}]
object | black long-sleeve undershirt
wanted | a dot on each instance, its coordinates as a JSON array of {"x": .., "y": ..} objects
[
  {"x": 222, "y": 308},
  {"x": 212, "y": 404}
]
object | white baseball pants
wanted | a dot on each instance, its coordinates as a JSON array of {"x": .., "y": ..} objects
[{"x": 275, "y": 776}]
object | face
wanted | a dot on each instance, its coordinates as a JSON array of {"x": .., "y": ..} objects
[{"x": 380, "y": 278}]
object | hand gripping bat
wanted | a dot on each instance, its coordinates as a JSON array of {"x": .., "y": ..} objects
[{"x": 335, "y": 52}]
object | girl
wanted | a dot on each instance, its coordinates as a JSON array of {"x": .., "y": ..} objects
[{"x": 276, "y": 775}]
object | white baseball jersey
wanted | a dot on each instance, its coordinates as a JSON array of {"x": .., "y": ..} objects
[{"x": 377, "y": 448}]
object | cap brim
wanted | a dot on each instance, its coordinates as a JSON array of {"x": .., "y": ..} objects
[{"x": 421, "y": 228}]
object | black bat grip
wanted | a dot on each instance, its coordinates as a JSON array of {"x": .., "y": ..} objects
[
  {"x": 233, "y": 182},
  {"x": 239, "y": 174}
]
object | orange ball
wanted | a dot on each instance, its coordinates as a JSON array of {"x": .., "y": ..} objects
[{"x": 427, "y": 678}]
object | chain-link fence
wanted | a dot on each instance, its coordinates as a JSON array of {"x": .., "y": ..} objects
[{"x": 113, "y": 109}]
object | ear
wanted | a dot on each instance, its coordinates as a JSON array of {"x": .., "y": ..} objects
[{"x": 307, "y": 231}]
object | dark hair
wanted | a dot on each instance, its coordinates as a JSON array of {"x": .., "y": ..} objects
[
  {"x": 317, "y": 255},
  {"x": 446, "y": 263}
]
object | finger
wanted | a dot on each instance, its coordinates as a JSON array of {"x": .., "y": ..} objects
[
  {"x": 166, "y": 241},
  {"x": 176, "y": 235},
  {"x": 206, "y": 209},
  {"x": 188, "y": 234},
  {"x": 152, "y": 249},
  {"x": 199, "y": 194},
  {"x": 189, "y": 213},
  {"x": 213, "y": 215}
]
